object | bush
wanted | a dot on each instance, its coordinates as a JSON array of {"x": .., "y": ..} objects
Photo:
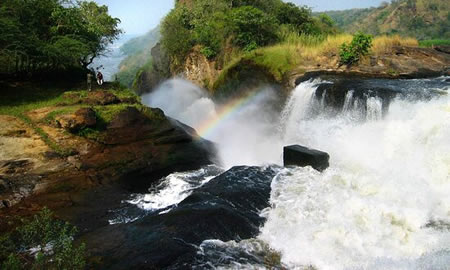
[
  {"x": 41, "y": 243},
  {"x": 360, "y": 46},
  {"x": 253, "y": 28}
]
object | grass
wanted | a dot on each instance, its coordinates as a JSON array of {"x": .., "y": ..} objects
[
  {"x": 298, "y": 49},
  {"x": 434, "y": 42},
  {"x": 50, "y": 118},
  {"x": 20, "y": 98},
  {"x": 384, "y": 44}
]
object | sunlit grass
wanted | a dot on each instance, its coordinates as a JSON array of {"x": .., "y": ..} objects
[
  {"x": 434, "y": 42},
  {"x": 384, "y": 44},
  {"x": 297, "y": 49}
]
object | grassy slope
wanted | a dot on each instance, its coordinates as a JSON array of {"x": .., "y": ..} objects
[
  {"x": 19, "y": 99},
  {"x": 138, "y": 51},
  {"x": 422, "y": 19},
  {"x": 279, "y": 60}
]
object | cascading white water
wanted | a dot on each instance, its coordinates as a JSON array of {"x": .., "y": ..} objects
[
  {"x": 374, "y": 109},
  {"x": 375, "y": 207},
  {"x": 382, "y": 204},
  {"x": 348, "y": 102}
]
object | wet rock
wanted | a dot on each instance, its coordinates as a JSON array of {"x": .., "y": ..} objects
[
  {"x": 102, "y": 98},
  {"x": 302, "y": 156},
  {"x": 226, "y": 208},
  {"x": 82, "y": 118}
]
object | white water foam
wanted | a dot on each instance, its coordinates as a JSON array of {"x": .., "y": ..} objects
[
  {"x": 382, "y": 204},
  {"x": 174, "y": 188},
  {"x": 375, "y": 207}
]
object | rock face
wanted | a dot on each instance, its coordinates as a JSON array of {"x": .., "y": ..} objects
[
  {"x": 226, "y": 208},
  {"x": 302, "y": 156},
  {"x": 136, "y": 147},
  {"x": 82, "y": 118},
  {"x": 159, "y": 72},
  {"x": 400, "y": 62},
  {"x": 199, "y": 70},
  {"x": 101, "y": 98}
]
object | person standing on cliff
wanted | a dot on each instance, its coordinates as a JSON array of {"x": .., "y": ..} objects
[
  {"x": 99, "y": 78},
  {"x": 89, "y": 81}
]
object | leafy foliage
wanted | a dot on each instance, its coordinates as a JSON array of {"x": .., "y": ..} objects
[
  {"x": 221, "y": 26},
  {"x": 42, "y": 242},
  {"x": 360, "y": 46},
  {"x": 44, "y": 35},
  {"x": 252, "y": 28}
]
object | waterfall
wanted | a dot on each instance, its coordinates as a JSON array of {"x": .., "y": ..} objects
[
  {"x": 382, "y": 204},
  {"x": 374, "y": 107},
  {"x": 348, "y": 101}
]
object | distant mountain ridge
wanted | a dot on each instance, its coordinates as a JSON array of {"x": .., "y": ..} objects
[
  {"x": 138, "y": 55},
  {"x": 423, "y": 19}
]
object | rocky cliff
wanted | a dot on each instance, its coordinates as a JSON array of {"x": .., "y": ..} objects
[{"x": 59, "y": 156}]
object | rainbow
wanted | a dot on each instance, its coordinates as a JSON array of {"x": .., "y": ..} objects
[{"x": 226, "y": 112}]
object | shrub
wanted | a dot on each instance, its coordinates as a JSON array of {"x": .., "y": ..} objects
[
  {"x": 360, "y": 46},
  {"x": 253, "y": 28},
  {"x": 42, "y": 242}
]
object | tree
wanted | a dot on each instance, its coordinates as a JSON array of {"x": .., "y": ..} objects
[
  {"x": 53, "y": 34},
  {"x": 252, "y": 27}
]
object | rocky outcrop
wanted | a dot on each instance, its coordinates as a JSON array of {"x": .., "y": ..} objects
[
  {"x": 146, "y": 80},
  {"x": 226, "y": 208},
  {"x": 400, "y": 62},
  {"x": 82, "y": 118},
  {"x": 298, "y": 155},
  {"x": 199, "y": 70},
  {"x": 133, "y": 149}
]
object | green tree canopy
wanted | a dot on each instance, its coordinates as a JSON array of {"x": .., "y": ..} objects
[
  {"x": 217, "y": 25},
  {"x": 53, "y": 34}
]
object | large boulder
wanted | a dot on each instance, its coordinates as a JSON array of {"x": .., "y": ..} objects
[
  {"x": 101, "y": 97},
  {"x": 82, "y": 118},
  {"x": 302, "y": 156}
]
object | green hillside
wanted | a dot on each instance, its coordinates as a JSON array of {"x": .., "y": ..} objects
[
  {"x": 138, "y": 52},
  {"x": 423, "y": 19}
]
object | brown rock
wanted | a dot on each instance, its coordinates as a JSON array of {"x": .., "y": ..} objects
[
  {"x": 102, "y": 98},
  {"x": 83, "y": 118},
  {"x": 129, "y": 125}
]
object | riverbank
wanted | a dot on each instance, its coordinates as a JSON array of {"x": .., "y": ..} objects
[{"x": 59, "y": 148}]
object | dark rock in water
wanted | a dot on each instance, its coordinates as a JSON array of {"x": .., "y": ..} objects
[
  {"x": 226, "y": 208},
  {"x": 303, "y": 156}
]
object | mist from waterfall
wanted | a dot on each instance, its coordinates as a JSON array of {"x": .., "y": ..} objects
[
  {"x": 382, "y": 204},
  {"x": 245, "y": 137}
]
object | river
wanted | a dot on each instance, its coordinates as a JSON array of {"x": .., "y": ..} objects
[{"x": 382, "y": 204}]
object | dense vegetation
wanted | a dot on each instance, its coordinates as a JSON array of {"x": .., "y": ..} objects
[
  {"x": 220, "y": 27},
  {"x": 422, "y": 19},
  {"x": 138, "y": 56},
  {"x": 48, "y": 35},
  {"x": 42, "y": 242}
]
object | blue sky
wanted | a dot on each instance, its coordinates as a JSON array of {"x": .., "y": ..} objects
[{"x": 139, "y": 16}]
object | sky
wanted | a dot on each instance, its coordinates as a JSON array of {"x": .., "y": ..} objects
[{"x": 140, "y": 16}]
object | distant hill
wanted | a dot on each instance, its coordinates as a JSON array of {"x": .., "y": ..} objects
[
  {"x": 137, "y": 51},
  {"x": 423, "y": 19}
]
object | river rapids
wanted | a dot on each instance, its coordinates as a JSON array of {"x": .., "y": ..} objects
[{"x": 382, "y": 204}]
